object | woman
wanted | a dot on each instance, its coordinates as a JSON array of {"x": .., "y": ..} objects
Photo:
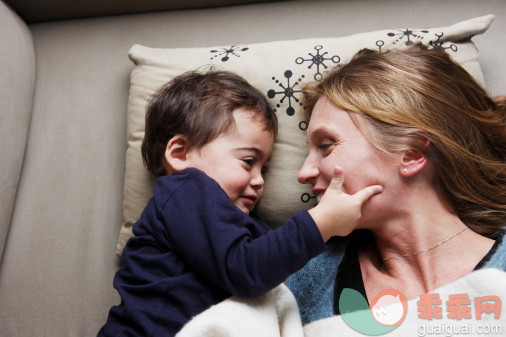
[{"x": 418, "y": 124}]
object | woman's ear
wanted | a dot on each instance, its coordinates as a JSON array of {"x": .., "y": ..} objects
[
  {"x": 413, "y": 161},
  {"x": 176, "y": 153}
]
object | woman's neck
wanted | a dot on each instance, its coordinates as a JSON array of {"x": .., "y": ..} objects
[{"x": 414, "y": 253}]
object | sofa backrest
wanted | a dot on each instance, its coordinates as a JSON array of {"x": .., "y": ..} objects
[
  {"x": 32, "y": 11},
  {"x": 17, "y": 82}
]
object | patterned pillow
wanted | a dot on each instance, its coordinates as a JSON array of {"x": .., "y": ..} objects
[{"x": 278, "y": 69}]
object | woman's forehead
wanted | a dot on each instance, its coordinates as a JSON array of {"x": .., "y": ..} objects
[{"x": 327, "y": 116}]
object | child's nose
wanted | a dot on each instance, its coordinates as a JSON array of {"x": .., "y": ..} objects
[{"x": 257, "y": 181}]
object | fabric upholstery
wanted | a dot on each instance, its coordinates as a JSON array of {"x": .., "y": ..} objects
[
  {"x": 59, "y": 259},
  {"x": 17, "y": 81},
  {"x": 50, "y": 10}
]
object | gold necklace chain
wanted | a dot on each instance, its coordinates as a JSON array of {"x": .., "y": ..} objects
[{"x": 425, "y": 250}]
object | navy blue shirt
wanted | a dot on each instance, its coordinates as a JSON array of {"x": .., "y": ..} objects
[{"x": 193, "y": 248}]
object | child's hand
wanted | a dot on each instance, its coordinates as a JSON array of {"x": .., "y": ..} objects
[{"x": 337, "y": 213}]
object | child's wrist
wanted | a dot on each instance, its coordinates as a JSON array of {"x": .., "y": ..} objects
[{"x": 319, "y": 218}]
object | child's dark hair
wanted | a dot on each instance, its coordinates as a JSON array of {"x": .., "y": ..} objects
[{"x": 199, "y": 106}]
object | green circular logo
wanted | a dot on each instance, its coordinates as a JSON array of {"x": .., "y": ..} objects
[{"x": 386, "y": 312}]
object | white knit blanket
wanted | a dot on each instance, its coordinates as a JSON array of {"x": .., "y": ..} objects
[{"x": 276, "y": 314}]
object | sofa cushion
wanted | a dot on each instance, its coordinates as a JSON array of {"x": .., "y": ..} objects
[
  {"x": 278, "y": 69},
  {"x": 17, "y": 66}
]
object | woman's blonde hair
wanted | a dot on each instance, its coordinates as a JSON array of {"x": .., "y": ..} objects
[{"x": 414, "y": 95}]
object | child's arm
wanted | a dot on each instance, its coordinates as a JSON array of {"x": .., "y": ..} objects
[
  {"x": 215, "y": 238},
  {"x": 337, "y": 213}
]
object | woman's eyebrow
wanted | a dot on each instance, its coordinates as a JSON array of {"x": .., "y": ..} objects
[{"x": 320, "y": 131}]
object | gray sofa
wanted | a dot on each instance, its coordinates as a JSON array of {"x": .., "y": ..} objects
[{"x": 64, "y": 88}]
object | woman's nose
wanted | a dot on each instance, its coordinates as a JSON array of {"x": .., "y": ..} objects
[{"x": 308, "y": 172}]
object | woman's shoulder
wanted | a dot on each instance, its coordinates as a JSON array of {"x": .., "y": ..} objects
[
  {"x": 325, "y": 266},
  {"x": 313, "y": 285},
  {"x": 498, "y": 257}
]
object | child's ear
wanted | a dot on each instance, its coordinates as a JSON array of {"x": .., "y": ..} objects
[{"x": 176, "y": 153}]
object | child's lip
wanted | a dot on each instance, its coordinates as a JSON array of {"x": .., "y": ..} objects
[{"x": 249, "y": 199}]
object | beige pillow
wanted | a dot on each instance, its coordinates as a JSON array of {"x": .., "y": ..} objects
[{"x": 277, "y": 69}]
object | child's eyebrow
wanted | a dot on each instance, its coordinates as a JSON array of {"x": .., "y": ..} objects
[{"x": 256, "y": 150}]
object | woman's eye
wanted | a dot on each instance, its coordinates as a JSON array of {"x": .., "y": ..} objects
[{"x": 325, "y": 146}]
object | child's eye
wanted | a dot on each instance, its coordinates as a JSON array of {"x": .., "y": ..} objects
[{"x": 249, "y": 161}]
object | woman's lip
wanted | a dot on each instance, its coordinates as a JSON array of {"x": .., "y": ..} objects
[{"x": 318, "y": 192}]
